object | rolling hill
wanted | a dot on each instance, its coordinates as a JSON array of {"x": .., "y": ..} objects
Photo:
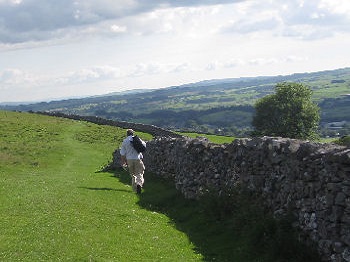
[{"x": 217, "y": 106}]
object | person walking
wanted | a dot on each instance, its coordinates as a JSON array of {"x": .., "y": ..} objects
[{"x": 133, "y": 159}]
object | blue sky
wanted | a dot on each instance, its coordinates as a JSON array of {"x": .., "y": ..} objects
[{"x": 53, "y": 49}]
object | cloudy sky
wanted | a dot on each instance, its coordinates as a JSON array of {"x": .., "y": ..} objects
[{"x": 52, "y": 49}]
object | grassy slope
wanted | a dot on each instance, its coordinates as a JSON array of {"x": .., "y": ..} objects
[
  {"x": 212, "y": 138},
  {"x": 54, "y": 206}
]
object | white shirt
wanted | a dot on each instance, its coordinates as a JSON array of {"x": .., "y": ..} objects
[{"x": 128, "y": 150}]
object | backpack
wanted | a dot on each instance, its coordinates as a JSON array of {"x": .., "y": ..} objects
[{"x": 137, "y": 144}]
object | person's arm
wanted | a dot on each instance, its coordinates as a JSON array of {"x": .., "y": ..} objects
[{"x": 123, "y": 160}]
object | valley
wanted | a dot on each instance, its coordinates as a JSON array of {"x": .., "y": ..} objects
[{"x": 223, "y": 106}]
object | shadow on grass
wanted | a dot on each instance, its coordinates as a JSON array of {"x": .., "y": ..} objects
[
  {"x": 105, "y": 189},
  {"x": 223, "y": 229}
]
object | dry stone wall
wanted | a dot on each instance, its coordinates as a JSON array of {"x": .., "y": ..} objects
[
  {"x": 309, "y": 179},
  {"x": 151, "y": 129}
]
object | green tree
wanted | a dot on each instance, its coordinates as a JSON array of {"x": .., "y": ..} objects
[{"x": 289, "y": 112}]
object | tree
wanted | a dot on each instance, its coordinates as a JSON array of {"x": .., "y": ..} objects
[{"x": 287, "y": 113}]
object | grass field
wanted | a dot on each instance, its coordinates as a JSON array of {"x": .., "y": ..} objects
[
  {"x": 211, "y": 138},
  {"x": 56, "y": 205}
]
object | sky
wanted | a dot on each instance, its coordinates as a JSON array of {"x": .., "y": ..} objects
[{"x": 51, "y": 50}]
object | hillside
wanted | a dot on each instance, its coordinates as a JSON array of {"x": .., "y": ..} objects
[
  {"x": 224, "y": 106},
  {"x": 57, "y": 206}
]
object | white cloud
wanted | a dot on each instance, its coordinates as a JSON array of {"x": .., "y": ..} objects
[
  {"x": 338, "y": 7},
  {"x": 95, "y": 45},
  {"x": 183, "y": 67},
  {"x": 314, "y": 20},
  {"x": 154, "y": 68},
  {"x": 97, "y": 74},
  {"x": 10, "y": 2},
  {"x": 118, "y": 29},
  {"x": 41, "y": 20},
  {"x": 89, "y": 75},
  {"x": 307, "y": 20},
  {"x": 14, "y": 76},
  {"x": 258, "y": 61}
]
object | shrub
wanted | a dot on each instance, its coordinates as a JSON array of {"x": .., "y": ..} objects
[{"x": 344, "y": 141}]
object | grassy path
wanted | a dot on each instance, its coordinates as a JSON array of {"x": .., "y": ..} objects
[{"x": 54, "y": 206}]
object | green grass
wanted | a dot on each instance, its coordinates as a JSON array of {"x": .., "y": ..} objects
[
  {"x": 212, "y": 138},
  {"x": 54, "y": 206}
]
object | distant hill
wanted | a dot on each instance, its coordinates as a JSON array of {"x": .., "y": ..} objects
[{"x": 219, "y": 105}]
